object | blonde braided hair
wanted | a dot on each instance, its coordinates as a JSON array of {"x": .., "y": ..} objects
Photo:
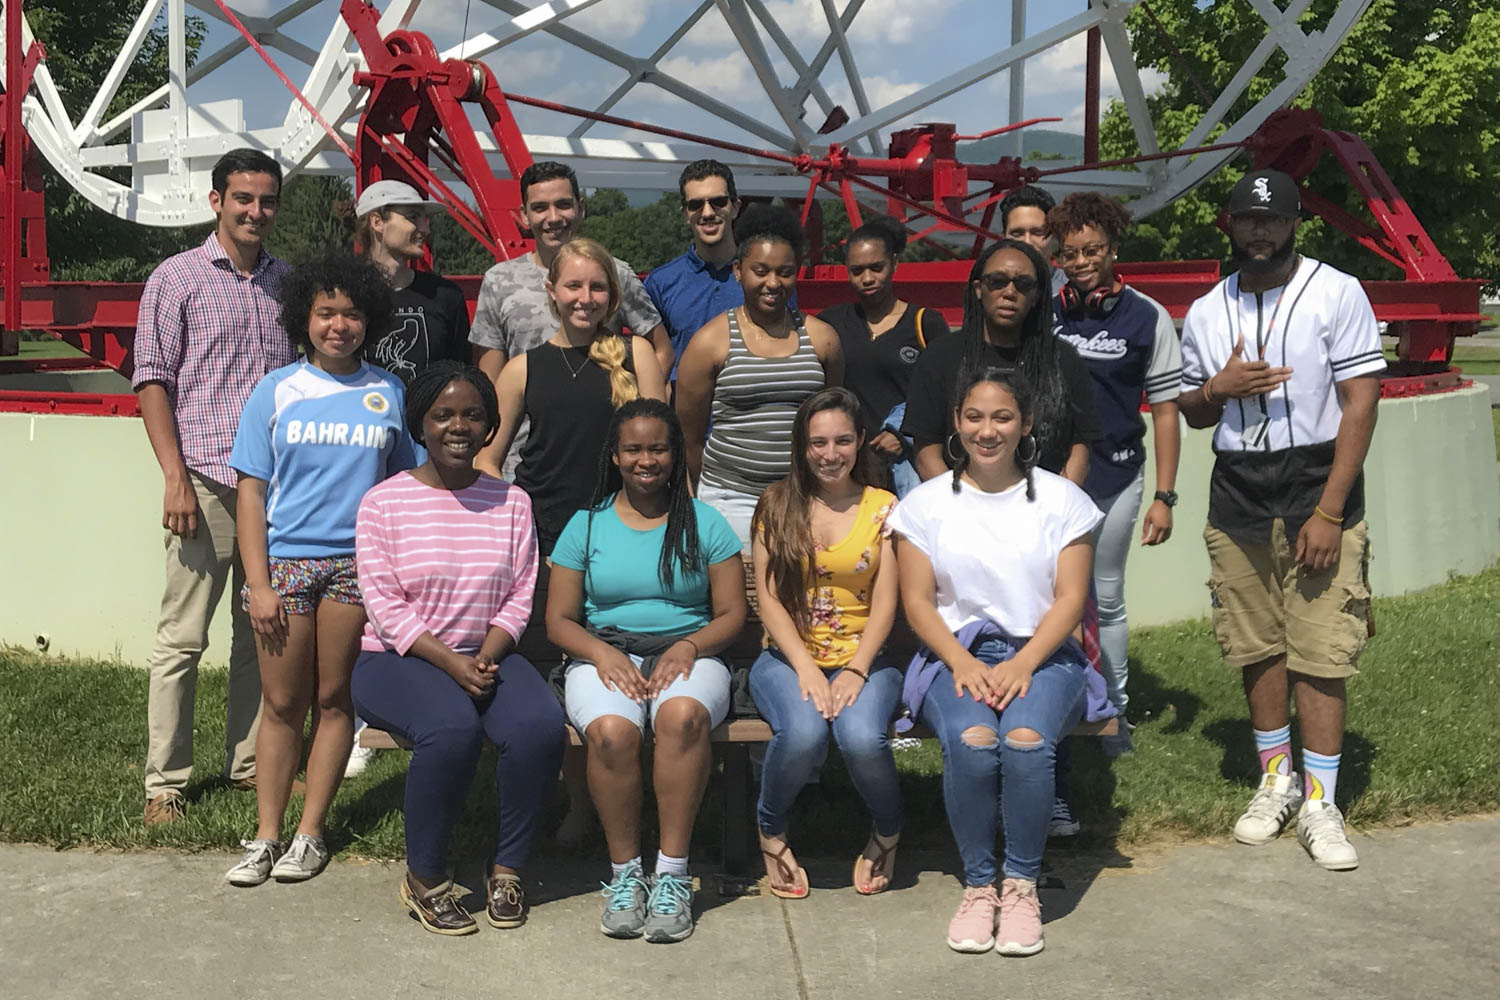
[{"x": 608, "y": 348}]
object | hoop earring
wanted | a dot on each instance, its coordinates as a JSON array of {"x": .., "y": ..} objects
[
  {"x": 1028, "y": 459},
  {"x": 948, "y": 450}
]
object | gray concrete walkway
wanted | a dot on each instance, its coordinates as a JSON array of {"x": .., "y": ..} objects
[{"x": 1223, "y": 921}]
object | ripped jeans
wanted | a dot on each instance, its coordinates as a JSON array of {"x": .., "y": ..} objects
[{"x": 974, "y": 794}]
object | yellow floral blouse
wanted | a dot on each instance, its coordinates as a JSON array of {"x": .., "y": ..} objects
[{"x": 844, "y": 576}]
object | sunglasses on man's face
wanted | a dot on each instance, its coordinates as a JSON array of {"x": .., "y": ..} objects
[
  {"x": 718, "y": 203},
  {"x": 998, "y": 281}
]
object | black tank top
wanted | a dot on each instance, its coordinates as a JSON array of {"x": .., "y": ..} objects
[{"x": 567, "y": 401}]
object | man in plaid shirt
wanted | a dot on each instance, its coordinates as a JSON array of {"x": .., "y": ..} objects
[{"x": 208, "y": 330}]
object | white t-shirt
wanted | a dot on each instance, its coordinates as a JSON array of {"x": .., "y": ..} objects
[
  {"x": 1320, "y": 323},
  {"x": 994, "y": 555}
]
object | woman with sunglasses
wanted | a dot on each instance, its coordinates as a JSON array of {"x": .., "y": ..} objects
[
  {"x": 1129, "y": 344},
  {"x": 1007, "y": 323}
]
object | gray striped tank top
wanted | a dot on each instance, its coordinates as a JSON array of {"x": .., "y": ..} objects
[{"x": 755, "y": 404}]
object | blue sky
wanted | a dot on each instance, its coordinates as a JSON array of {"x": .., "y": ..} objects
[{"x": 899, "y": 45}]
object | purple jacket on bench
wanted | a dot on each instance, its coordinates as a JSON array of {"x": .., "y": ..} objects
[{"x": 926, "y": 664}]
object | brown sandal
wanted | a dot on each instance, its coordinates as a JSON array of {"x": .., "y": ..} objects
[
  {"x": 786, "y": 873},
  {"x": 882, "y": 863}
]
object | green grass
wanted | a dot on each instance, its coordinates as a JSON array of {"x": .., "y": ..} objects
[
  {"x": 1423, "y": 742},
  {"x": 47, "y": 347}
]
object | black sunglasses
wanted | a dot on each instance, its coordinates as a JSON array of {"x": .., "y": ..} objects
[
  {"x": 999, "y": 282},
  {"x": 719, "y": 202}
]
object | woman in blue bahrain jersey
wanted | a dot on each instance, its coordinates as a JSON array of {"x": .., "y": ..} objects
[{"x": 314, "y": 436}]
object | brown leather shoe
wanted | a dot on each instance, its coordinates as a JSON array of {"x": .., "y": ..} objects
[
  {"x": 299, "y": 787},
  {"x": 438, "y": 910},
  {"x": 168, "y": 807},
  {"x": 507, "y": 901}
]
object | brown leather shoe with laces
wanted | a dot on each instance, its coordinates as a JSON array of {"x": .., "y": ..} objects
[
  {"x": 507, "y": 901},
  {"x": 168, "y": 807},
  {"x": 438, "y": 910}
]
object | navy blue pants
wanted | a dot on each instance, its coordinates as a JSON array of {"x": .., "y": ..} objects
[{"x": 447, "y": 728}]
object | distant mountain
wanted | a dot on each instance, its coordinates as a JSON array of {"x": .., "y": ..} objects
[{"x": 1045, "y": 142}]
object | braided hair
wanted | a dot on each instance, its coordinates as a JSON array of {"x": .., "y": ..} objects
[
  {"x": 1040, "y": 356},
  {"x": 429, "y": 385},
  {"x": 680, "y": 550},
  {"x": 1020, "y": 389}
]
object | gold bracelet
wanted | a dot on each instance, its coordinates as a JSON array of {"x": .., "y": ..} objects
[{"x": 1327, "y": 516}]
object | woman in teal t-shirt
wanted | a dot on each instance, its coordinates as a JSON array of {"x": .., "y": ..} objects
[{"x": 647, "y": 585}]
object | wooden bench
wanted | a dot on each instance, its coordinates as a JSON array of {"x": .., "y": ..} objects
[{"x": 732, "y": 740}]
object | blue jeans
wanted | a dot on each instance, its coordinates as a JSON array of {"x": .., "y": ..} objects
[
  {"x": 799, "y": 742},
  {"x": 447, "y": 728},
  {"x": 974, "y": 793}
]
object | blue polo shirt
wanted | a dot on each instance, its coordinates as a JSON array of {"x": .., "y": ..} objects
[{"x": 688, "y": 292}]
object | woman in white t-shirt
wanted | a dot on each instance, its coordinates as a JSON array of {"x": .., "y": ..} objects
[{"x": 995, "y": 564}]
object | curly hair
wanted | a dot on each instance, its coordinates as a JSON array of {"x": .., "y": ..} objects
[
  {"x": 1029, "y": 196},
  {"x": 763, "y": 223},
  {"x": 1089, "y": 208},
  {"x": 340, "y": 271},
  {"x": 429, "y": 385}
]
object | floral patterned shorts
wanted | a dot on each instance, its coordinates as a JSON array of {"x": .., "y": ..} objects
[{"x": 302, "y": 583}]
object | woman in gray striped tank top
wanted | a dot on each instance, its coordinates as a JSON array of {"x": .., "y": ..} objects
[{"x": 750, "y": 369}]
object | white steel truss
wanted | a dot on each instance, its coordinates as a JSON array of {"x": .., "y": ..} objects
[{"x": 170, "y": 139}]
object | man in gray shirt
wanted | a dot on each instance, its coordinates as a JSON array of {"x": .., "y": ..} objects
[{"x": 511, "y": 316}]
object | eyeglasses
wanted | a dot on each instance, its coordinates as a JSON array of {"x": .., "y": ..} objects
[
  {"x": 998, "y": 281},
  {"x": 718, "y": 202},
  {"x": 1091, "y": 252}
]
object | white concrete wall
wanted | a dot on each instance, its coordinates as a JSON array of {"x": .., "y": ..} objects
[{"x": 81, "y": 548}]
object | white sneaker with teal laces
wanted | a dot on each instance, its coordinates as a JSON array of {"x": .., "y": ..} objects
[
  {"x": 1320, "y": 830},
  {"x": 1274, "y": 804},
  {"x": 305, "y": 858}
]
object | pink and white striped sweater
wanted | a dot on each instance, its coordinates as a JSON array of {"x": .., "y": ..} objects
[{"x": 452, "y": 563}]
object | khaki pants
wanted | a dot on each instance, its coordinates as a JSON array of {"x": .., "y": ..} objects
[{"x": 197, "y": 570}]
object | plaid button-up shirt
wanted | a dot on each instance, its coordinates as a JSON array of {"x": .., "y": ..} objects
[{"x": 208, "y": 333}]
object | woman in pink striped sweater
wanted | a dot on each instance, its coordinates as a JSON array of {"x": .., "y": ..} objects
[{"x": 447, "y": 560}]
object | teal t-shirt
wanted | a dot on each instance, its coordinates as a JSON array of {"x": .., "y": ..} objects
[{"x": 622, "y": 583}]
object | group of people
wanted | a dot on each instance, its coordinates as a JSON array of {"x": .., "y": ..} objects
[{"x": 464, "y": 533}]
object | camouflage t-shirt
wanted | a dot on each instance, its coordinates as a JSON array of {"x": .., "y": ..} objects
[{"x": 512, "y": 315}]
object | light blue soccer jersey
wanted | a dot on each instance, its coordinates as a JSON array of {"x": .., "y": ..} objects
[{"x": 320, "y": 441}]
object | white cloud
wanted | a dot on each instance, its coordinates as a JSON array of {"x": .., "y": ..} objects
[
  {"x": 878, "y": 21},
  {"x": 728, "y": 78},
  {"x": 613, "y": 20},
  {"x": 1056, "y": 77}
]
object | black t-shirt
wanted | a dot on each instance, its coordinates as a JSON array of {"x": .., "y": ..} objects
[
  {"x": 430, "y": 322},
  {"x": 878, "y": 369},
  {"x": 930, "y": 402}
]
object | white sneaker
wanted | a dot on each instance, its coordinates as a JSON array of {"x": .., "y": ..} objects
[
  {"x": 255, "y": 867},
  {"x": 1062, "y": 823},
  {"x": 1320, "y": 830},
  {"x": 305, "y": 858},
  {"x": 1274, "y": 804},
  {"x": 359, "y": 759}
]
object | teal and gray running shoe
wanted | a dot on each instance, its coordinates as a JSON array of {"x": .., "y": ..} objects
[
  {"x": 669, "y": 914},
  {"x": 625, "y": 904}
]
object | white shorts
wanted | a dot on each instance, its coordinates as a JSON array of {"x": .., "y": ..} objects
[{"x": 585, "y": 697}]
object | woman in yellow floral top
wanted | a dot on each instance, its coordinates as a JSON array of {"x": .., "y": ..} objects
[{"x": 823, "y": 669}]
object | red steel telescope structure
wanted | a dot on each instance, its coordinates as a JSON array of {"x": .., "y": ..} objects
[{"x": 379, "y": 99}]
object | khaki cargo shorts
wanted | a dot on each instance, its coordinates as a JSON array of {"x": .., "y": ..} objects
[{"x": 1266, "y": 605}]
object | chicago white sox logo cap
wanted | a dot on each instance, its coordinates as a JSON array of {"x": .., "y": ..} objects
[{"x": 1268, "y": 192}]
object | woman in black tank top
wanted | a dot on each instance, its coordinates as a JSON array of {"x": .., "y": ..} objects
[{"x": 569, "y": 388}]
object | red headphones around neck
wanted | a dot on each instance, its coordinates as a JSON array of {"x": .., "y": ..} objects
[{"x": 1097, "y": 304}]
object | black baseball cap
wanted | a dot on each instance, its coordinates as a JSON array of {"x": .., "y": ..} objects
[{"x": 1270, "y": 192}]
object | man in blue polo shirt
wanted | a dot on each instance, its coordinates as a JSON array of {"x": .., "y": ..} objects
[{"x": 692, "y": 289}]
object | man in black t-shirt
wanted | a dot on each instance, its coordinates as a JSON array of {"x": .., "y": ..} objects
[{"x": 431, "y": 319}]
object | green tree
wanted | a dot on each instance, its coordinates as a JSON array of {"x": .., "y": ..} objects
[
  {"x": 1419, "y": 82},
  {"x": 82, "y": 38},
  {"x": 316, "y": 216}
]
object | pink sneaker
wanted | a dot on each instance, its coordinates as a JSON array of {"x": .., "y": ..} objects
[
  {"x": 972, "y": 928},
  {"x": 1020, "y": 919}
]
